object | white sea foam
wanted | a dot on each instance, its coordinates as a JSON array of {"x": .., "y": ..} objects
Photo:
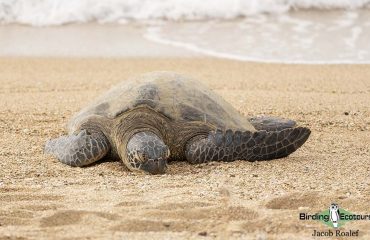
[
  {"x": 289, "y": 36},
  {"x": 57, "y": 12},
  {"x": 307, "y": 37}
]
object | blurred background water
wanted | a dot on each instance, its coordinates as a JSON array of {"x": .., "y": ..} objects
[{"x": 290, "y": 31}]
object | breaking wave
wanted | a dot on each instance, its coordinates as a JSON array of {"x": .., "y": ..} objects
[{"x": 58, "y": 12}]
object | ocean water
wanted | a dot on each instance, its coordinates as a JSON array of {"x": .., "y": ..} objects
[
  {"x": 292, "y": 31},
  {"x": 296, "y": 37}
]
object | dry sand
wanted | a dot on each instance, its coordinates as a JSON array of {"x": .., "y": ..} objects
[{"x": 42, "y": 198}]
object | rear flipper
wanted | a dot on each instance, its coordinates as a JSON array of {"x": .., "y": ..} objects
[
  {"x": 261, "y": 145},
  {"x": 269, "y": 123},
  {"x": 78, "y": 150}
]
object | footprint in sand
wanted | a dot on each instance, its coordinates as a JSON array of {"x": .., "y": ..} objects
[
  {"x": 21, "y": 215},
  {"x": 318, "y": 201},
  {"x": 202, "y": 211},
  {"x": 186, "y": 216},
  {"x": 69, "y": 217},
  {"x": 295, "y": 200}
]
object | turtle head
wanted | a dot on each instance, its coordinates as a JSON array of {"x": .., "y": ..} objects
[{"x": 147, "y": 152}]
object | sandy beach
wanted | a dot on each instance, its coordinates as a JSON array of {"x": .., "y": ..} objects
[{"x": 41, "y": 198}]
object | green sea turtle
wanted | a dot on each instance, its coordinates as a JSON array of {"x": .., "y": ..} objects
[{"x": 163, "y": 116}]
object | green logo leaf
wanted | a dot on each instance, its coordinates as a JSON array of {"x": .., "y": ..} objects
[{"x": 325, "y": 217}]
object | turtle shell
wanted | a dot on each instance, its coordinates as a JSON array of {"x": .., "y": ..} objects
[{"x": 178, "y": 97}]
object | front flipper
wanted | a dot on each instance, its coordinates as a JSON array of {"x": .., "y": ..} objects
[
  {"x": 261, "y": 145},
  {"x": 269, "y": 123},
  {"x": 78, "y": 150}
]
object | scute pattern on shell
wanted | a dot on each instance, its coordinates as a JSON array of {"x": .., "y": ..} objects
[{"x": 178, "y": 97}]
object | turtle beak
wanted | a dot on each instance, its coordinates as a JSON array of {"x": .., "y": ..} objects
[{"x": 155, "y": 166}]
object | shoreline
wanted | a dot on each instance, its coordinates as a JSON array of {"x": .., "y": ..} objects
[{"x": 294, "y": 38}]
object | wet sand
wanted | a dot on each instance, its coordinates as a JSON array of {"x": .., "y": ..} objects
[
  {"x": 41, "y": 198},
  {"x": 83, "y": 40}
]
